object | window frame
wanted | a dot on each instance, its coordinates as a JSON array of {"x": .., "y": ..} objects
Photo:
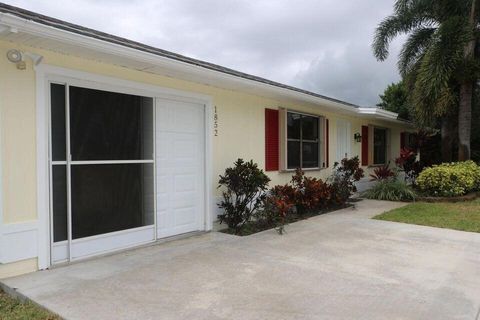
[
  {"x": 386, "y": 130},
  {"x": 285, "y": 140}
]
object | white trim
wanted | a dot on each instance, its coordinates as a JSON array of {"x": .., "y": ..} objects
[
  {"x": 209, "y": 202},
  {"x": 378, "y": 112},
  {"x": 111, "y": 242},
  {"x": 69, "y": 171},
  {"x": 105, "y": 47},
  {"x": 18, "y": 241},
  {"x": 89, "y": 162},
  {"x": 114, "y": 233},
  {"x": 59, "y": 251},
  {"x": 43, "y": 176},
  {"x": 1, "y": 183},
  {"x": 154, "y": 162},
  {"x": 99, "y": 82},
  {"x": 59, "y": 163},
  {"x": 45, "y": 74}
]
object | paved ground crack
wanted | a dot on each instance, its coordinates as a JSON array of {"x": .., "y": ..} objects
[{"x": 478, "y": 314}]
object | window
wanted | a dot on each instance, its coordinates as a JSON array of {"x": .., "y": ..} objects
[
  {"x": 379, "y": 146},
  {"x": 410, "y": 141},
  {"x": 303, "y": 143}
]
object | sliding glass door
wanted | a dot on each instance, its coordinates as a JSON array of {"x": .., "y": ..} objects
[{"x": 102, "y": 171}]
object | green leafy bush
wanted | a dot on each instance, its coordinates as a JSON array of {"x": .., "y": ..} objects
[
  {"x": 342, "y": 181},
  {"x": 450, "y": 179},
  {"x": 391, "y": 190},
  {"x": 278, "y": 205},
  {"x": 310, "y": 194},
  {"x": 248, "y": 207},
  {"x": 245, "y": 185}
]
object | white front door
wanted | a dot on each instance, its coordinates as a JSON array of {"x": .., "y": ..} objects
[
  {"x": 180, "y": 167},
  {"x": 343, "y": 139}
]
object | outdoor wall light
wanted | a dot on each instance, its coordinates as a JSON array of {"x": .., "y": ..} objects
[
  {"x": 357, "y": 137},
  {"x": 18, "y": 57}
]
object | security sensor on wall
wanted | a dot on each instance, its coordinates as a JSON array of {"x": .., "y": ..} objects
[{"x": 17, "y": 57}]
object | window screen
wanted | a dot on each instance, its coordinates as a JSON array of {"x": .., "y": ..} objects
[
  {"x": 110, "y": 126},
  {"x": 111, "y": 197}
]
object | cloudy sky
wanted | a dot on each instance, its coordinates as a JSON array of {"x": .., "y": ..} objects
[{"x": 319, "y": 45}]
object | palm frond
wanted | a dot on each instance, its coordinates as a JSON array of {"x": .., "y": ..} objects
[
  {"x": 414, "y": 47},
  {"x": 408, "y": 16},
  {"x": 388, "y": 29}
]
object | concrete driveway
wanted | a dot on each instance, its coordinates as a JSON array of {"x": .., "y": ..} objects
[{"x": 336, "y": 266}]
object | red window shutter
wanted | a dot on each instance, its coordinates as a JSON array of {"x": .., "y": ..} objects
[
  {"x": 364, "y": 145},
  {"x": 272, "y": 142},
  {"x": 402, "y": 140},
  {"x": 327, "y": 143}
]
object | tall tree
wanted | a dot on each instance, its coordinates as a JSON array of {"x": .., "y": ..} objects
[
  {"x": 395, "y": 99},
  {"x": 438, "y": 60}
]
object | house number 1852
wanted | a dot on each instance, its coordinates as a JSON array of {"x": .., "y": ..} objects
[{"x": 215, "y": 122}]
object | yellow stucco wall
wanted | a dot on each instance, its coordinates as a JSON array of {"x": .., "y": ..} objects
[{"x": 17, "y": 114}]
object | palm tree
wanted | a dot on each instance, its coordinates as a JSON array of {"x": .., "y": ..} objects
[{"x": 438, "y": 59}]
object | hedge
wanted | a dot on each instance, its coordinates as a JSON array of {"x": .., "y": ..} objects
[{"x": 450, "y": 179}]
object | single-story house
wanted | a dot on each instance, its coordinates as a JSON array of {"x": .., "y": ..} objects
[{"x": 108, "y": 144}]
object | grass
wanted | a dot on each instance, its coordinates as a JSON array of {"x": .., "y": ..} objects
[
  {"x": 14, "y": 309},
  {"x": 463, "y": 216}
]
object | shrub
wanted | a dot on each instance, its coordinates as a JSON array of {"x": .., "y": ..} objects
[
  {"x": 245, "y": 190},
  {"x": 391, "y": 190},
  {"x": 279, "y": 202},
  {"x": 450, "y": 179},
  {"x": 342, "y": 181},
  {"x": 408, "y": 163},
  {"x": 309, "y": 193},
  {"x": 383, "y": 173}
]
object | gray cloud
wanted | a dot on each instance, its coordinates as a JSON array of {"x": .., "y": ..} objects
[{"x": 319, "y": 45}]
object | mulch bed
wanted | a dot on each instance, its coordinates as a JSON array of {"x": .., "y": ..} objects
[{"x": 253, "y": 227}]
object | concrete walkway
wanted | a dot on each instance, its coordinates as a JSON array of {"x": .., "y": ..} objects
[{"x": 337, "y": 266}]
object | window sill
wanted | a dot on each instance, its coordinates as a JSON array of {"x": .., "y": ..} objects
[{"x": 305, "y": 170}]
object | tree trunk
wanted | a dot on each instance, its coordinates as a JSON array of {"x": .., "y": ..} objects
[
  {"x": 466, "y": 92},
  {"x": 465, "y": 121},
  {"x": 447, "y": 139}
]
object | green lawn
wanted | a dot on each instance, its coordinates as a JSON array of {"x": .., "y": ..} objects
[
  {"x": 14, "y": 309},
  {"x": 464, "y": 216}
]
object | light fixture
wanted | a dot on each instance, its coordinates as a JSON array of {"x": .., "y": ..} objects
[
  {"x": 17, "y": 57},
  {"x": 357, "y": 137},
  {"x": 14, "y": 56}
]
